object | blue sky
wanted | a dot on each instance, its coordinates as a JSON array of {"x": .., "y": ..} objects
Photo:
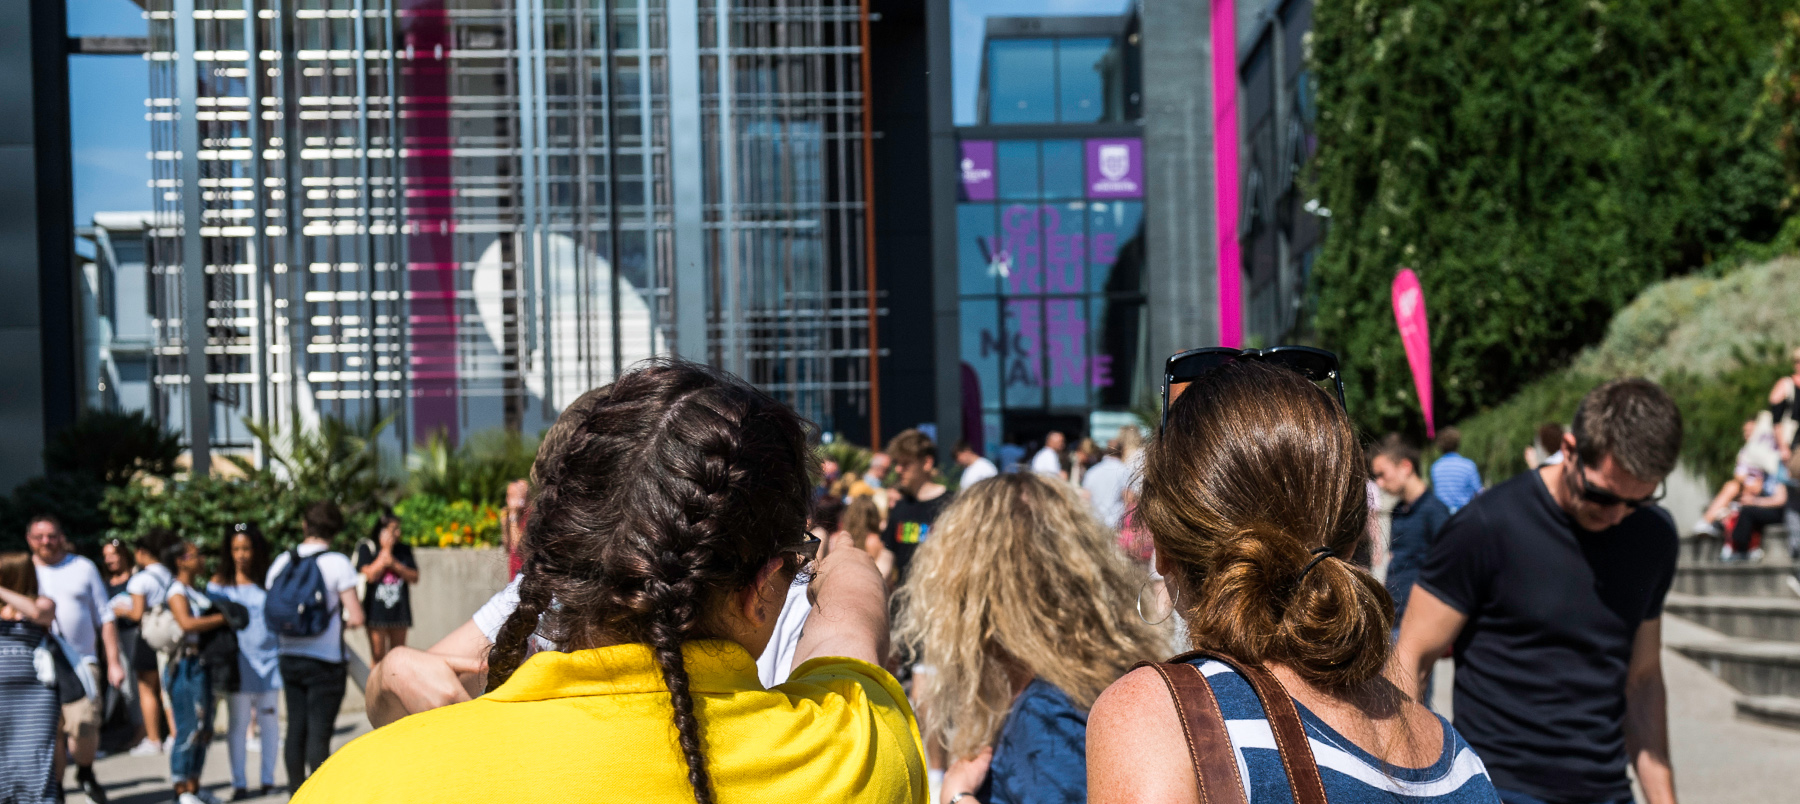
[
  {"x": 109, "y": 135},
  {"x": 967, "y": 24}
]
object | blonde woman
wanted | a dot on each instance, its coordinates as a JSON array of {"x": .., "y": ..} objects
[{"x": 1023, "y": 605}]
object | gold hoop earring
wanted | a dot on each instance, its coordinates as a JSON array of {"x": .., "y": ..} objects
[{"x": 1140, "y": 606}]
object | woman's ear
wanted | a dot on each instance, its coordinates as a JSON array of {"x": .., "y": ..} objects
[{"x": 761, "y": 601}]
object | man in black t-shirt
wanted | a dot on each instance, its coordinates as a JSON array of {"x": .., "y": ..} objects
[
  {"x": 1550, "y": 587},
  {"x": 914, "y": 503}
]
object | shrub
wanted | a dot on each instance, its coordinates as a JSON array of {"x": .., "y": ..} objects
[
  {"x": 477, "y": 471},
  {"x": 427, "y": 520},
  {"x": 200, "y": 509},
  {"x": 1538, "y": 165}
]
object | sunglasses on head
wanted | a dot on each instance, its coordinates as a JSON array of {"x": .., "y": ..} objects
[
  {"x": 1607, "y": 499},
  {"x": 1181, "y": 370}
]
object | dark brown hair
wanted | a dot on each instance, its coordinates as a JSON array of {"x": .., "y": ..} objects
[
  {"x": 911, "y": 445},
  {"x": 1549, "y": 438},
  {"x": 1633, "y": 420},
  {"x": 657, "y": 497},
  {"x": 1396, "y": 449},
  {"x": 1449, "y": 439},
  {"x": 322, "y": 520},
  {"x": 18, "y": 573},
  {"x": 259, "y": 554},
  {"x": 1255, "y": 469}
]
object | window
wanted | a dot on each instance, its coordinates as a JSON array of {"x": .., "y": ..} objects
[{"x": 1022, "y": 81}]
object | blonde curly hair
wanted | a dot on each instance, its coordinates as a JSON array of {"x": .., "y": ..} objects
[{"x": 1017, "y": 579}]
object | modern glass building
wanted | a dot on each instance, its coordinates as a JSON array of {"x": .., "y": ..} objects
[
  {"x": 1049, "y": 232},
  {"x": 1280, "y": 227},
  {"x": 464, "y": 213}
]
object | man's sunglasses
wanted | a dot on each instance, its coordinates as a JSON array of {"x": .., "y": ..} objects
[
  {"x": 806, "y": 550},
  {"x": 1181, "y": 370},
  {"x": 1607, "y": 499}
]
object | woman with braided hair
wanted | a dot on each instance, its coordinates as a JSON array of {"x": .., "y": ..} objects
[{"x": 669, "y": 524}]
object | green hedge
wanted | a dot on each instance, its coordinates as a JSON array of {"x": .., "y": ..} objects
[{"x": 1538, "y": 164}]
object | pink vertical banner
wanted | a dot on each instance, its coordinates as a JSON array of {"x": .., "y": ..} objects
[
  {"x": 1225, "y": 171},
  {"x": 1415, "y": 335}
]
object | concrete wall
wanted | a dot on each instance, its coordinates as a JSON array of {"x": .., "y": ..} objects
[{"x": 1181, "y": 279}]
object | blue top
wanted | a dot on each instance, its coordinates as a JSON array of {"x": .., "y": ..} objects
[
  {"x": 1351, "y": 775},
  {"x": 1455, "y": 479},
  {"x": 1416, "y": 526},
  {"x": 259, "y": 665},
  {"x": 1040, "y": 756}
]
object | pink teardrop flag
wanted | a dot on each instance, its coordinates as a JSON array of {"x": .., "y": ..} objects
[{"x": 1415, "y": 335}]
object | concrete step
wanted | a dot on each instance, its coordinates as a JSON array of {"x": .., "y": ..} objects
[
  {"x": 1703, "y": 550},
  {"x": 1735, "y": 579},
  {"x": 1752, "y": 666},
  {"x": 1775, "y": 710},
  {"x": 1764, "y": 618}
]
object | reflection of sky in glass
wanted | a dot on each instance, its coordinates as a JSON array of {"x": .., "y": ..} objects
[
  {"x": 969, "y": 24},
  {"x": 1022, "y": 81},
  {"x": 108, "y": 134},
  {"x": 1078, "y": 79},
  {"x": 1063, "y": 169}
]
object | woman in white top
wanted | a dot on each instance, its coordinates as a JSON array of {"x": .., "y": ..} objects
[
  {"x": 149, "y": 589},
  {"x": 190, "y": 689}
]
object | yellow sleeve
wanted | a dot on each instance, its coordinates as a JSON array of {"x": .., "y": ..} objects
[{"x": 893, "y": 713}]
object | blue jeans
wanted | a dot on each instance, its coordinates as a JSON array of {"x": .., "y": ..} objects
[
  {"x": 1516, "y": 797},
  {"x": 192, "y": 703}
]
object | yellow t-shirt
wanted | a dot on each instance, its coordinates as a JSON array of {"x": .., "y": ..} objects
[{"x": 596, "y": 725}]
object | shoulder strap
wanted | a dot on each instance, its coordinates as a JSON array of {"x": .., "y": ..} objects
[
  {"x": 1199, "y": 710},
  {"x": 1284, "y": 722}
]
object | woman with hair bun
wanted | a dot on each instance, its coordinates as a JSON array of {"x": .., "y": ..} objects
[
  {"x": 1254, "y": 496},
  {"x": 669, "y": 523}
]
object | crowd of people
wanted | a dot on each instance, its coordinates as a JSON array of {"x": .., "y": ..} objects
[
  {"x": 1764, "y": 488},
  {"x": 703, "y": 610},
  {"x": 149, "y": 647}
]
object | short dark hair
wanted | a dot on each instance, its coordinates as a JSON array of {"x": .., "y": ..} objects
[
  {"x": 1448, "y": 440},
  {"x": 1633, "y": 420},
  {"x": 46, "y": 516},
  {"x": 962, "y": 446},
  {"x": 153, "y": 541},
  {"x": 1396, "y": 449},
  {"x": 322, "y": 520},
  {"x": 1549, "y": 438},
  {"x": 911, "y": 445}
]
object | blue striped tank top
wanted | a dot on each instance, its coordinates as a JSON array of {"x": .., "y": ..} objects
[{"x": 1351, "y": 775}]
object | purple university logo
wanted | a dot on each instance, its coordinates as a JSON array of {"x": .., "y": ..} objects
[
  {"x": 976, "y": 168},
  {"x": 1115, "y": 168}
]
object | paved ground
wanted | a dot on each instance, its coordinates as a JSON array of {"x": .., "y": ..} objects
[
  {"x": 145, "y": 780},
  {"x": 1719, "y": 759}
]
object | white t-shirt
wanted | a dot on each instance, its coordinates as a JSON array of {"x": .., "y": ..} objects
[
  {"x": 339, "y": 577},
  {"x": 976, "y": 472},
  {"x": 1106, "y": 483},
  {"x": 199, "y": 605},
  {"x": 772, "y": 667},
  {"x": 153, "y": 583},
  {"x": 80, "y": 594},
  {"x": 1045, "y": 462}
]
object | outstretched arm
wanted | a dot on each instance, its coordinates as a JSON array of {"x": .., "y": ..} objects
[
  {"x": 849, "y": 616},
  {"x": 408, "y": 680}
]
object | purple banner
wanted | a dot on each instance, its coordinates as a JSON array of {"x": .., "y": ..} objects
[
  {"x": 1115, "y": 168},
  {"x": 977, "y": 170}
]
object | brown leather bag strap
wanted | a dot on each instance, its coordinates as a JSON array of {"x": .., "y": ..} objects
[
  {"x": 1290, "y": 733},
  {"x": 1209, "y": 745}
]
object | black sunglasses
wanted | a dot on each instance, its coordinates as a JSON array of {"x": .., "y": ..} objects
[
  {"x": 1607, "y": 499},
  {"x": 807, "y": 549},
  {"x": 1182, "y": 369}
]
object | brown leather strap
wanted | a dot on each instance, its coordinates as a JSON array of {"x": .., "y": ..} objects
[
  {"x": 1290, "y": 733},
  {"x": 1209, "y": 745}
]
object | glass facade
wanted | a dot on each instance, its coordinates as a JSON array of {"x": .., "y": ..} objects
[
  {"x": 466, "y": 213},
  {"x": 1049, "y": 244},
  {"x": 1278, "y": 232},
  {"x": 1052, "y": 80}
]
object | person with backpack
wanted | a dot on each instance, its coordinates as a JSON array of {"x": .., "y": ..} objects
[{"x": 311, "y": 600}]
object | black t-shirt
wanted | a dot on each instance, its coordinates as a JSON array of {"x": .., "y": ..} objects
[
  {"x": 909, "y": 525},
  {"x": 1553, "y": 611},
  {"x": 388, "y": 600}
]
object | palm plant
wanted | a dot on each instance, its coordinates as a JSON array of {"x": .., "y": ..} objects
[
  {"x": 477, "y": 471},
  {"x": 338, "y": 461}
]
